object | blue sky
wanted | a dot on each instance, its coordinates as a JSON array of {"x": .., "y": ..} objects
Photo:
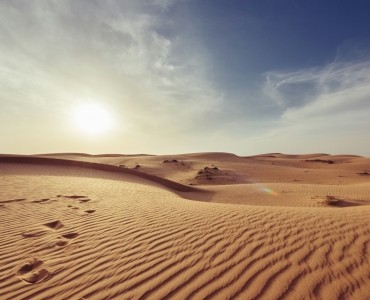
[{"x": 179, "y": 76}]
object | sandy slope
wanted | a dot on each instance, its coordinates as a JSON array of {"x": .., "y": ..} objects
[{"x": 72, "y": 232}]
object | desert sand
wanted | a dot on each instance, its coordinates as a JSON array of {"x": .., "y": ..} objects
[{"x": 192, "y": 226}]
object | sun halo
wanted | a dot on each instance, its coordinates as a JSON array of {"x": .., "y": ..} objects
[{"x": 92, "y": 118}]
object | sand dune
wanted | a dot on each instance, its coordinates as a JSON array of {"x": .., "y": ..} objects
[{"x": 274, "y": 227}]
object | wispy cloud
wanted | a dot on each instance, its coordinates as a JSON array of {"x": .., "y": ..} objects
[
  {"x": 56, "y": 53},
  {"x": 323, "y": 107},
  {"x": 337, "y": 87}
]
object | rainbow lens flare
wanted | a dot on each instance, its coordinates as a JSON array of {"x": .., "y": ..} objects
[{"x": 271, "y": 192}]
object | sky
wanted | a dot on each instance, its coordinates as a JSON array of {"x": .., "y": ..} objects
[{"x": 184, "y": 76}]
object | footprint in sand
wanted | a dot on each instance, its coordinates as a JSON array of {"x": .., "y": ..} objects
[
  {"x": 32, "y": 272},
  {"x": 70, "y": 236},
  {"x": 73, "y": 207},
  {"x": 41, "y": 201},
  {"x": 34, "y": 232},
  {"x": 13, "y": 200},
  {"x": 74, "y": 197},
  {"x": 81, "y": 199},
  {"x": 61, "y": 243},
  {"x": 64, "y": 242},
  {"x": 84, "y": 200},
  {"x": 54, "y": 225},
  {"x": 38, "y": 231},
  {"x": 90, "y": 211}
]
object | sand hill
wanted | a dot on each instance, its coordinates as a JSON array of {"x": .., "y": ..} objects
[{"x": 193, "y": 226}]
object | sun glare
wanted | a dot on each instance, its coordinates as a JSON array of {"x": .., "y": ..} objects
[{"x": 92, "y": 118}]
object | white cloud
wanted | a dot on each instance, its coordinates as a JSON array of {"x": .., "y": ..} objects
[
  {"x": 56, "y": 53},
  {"x": 327, "y": 107},
  {"x": 317, "y": 90}
]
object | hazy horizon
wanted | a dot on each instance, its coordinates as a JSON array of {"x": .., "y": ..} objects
[{"x": 184, "y": 76}]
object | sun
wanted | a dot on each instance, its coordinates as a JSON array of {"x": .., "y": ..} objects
[{"x": 92, "y": 118}]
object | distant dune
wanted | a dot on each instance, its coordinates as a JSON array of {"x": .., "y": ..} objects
[{"x": 190, "y": 226}]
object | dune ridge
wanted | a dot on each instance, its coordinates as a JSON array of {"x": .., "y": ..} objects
[
  {"x": 95, "y": 166},
  {"x": 72, "y": 232}
]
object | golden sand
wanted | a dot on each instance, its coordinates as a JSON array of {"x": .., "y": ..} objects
[{"x": 199, "y": 226}]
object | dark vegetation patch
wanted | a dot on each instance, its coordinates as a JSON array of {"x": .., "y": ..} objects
[
  {"x": 330, "y": 162},
  {"x": 365, "y": 173},
  {"x": 171, "y": 161}
]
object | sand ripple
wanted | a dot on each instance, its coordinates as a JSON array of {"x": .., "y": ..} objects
[{"x": 136, "y": 239}]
